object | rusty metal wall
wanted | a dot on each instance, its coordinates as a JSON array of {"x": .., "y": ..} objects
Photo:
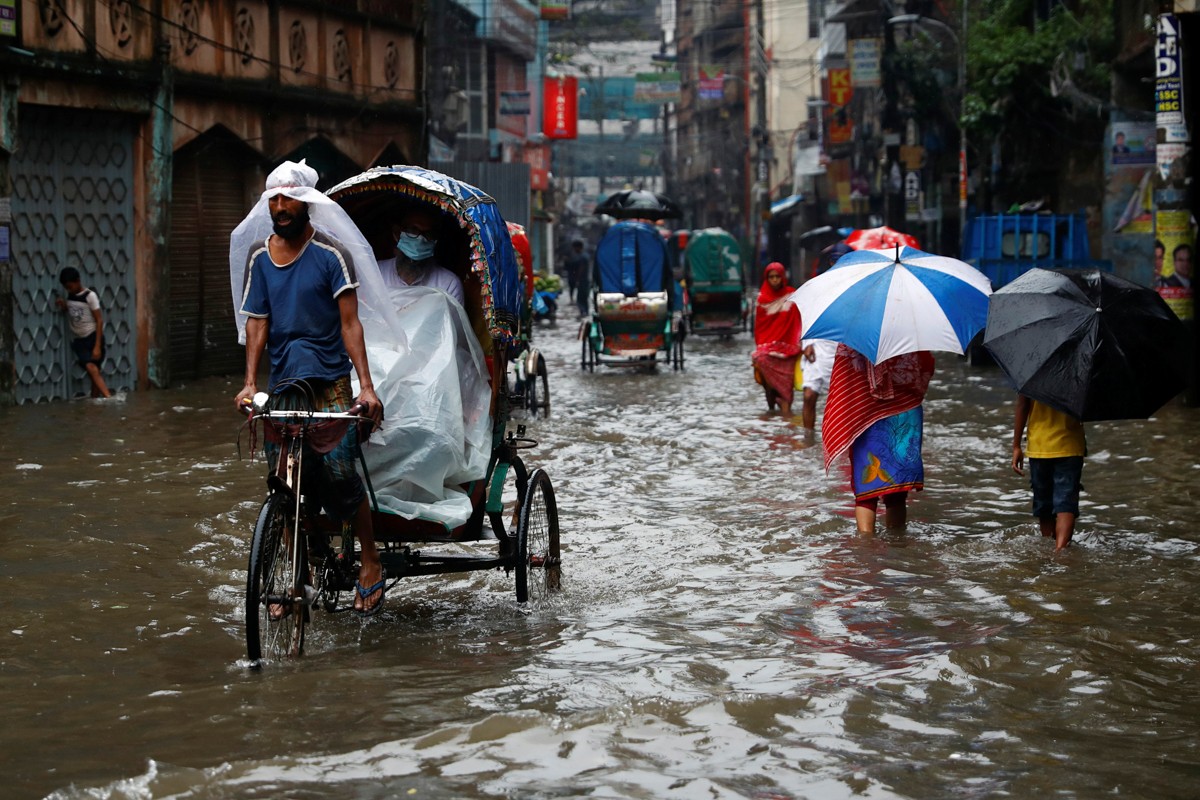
[
  {"x": 73, "y": 188},
  {"x": 208, "y": 202}
]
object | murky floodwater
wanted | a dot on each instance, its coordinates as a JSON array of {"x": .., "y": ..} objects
[{"x": 723, "y": 631}]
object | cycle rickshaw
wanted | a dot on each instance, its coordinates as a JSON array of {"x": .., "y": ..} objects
[
  {"x": 635, "y": 300},
  {"x": 528, "y": 365},
  {"x": 300, "y": 559},
  {"x": 715, "y": 301}
]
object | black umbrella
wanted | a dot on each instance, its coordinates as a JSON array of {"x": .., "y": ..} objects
[
  {"x": 1088, "y": 343},
  {"x": 638, "y": 204}
]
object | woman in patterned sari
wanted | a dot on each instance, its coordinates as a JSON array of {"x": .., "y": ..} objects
[
  {"x": 776, "y": 339},
  {"x": 874, "y": 411}
]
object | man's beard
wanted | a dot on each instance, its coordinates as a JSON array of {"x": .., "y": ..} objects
[{"x": 294, "y": 228}]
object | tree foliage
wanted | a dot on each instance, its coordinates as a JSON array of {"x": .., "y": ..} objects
[{"x": 1013, "y": 51}]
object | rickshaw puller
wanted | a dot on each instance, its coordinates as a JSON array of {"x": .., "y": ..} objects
[{"x": 300, "y": 301}]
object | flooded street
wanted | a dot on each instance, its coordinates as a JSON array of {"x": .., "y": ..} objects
[{"x": 723, "y": 631}]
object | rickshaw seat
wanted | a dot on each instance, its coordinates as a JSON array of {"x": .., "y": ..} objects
[
  {"x": 643, "y": 307},
  {"x": 395, "y": 528}
]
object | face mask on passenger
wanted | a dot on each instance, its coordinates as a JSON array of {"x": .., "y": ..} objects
[{"x": 418, "y": 248}]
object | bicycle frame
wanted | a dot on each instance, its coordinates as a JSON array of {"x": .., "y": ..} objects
[{"x": 279, "y": 599}]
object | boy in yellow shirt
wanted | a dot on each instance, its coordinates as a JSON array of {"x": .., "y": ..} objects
[{"x": 1056, "y": 450}]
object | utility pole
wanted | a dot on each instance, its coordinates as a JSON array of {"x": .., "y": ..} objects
[{"x": 962, "y": 136}]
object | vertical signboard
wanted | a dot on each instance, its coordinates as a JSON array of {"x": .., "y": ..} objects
[
  {"x": 560, "y": 107},
  {"x": 865, "y": 58},
  {"x": 9, "y": 28},
  {"x": 839, "y": 91},
  {"x": 1175, "y": 243},
  {"x": 1168, "y": 95}
]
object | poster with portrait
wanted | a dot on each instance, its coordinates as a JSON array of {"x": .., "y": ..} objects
[
  {"x": 1132, "y": 144},
  {"x": 1174, "y": 249}
]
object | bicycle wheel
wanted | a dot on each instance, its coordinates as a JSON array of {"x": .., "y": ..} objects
[
  {"x": 539, "y": 563},
  {"x": 274, "y": 620}
]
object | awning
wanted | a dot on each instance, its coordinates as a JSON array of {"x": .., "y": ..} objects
[{"x": 784, "y": 205}]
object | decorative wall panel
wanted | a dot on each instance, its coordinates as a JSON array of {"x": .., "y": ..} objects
[{"x": 72, "y": 205}]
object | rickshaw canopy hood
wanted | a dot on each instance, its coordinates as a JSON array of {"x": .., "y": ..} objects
[
  {"x": 714, "y": 257},
  {"x": 370, "y": 197}
]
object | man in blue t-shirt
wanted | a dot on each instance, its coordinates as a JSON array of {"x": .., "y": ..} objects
[{"x": 301, "y": 305}]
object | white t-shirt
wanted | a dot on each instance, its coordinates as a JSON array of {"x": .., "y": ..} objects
[
  {"x": 434, "y": 276},
  {"x": 79, "y": 312},
  {"x": 818, "y": 372}
]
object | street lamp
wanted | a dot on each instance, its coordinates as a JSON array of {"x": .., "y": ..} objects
[{"x": 903, "y": 19}]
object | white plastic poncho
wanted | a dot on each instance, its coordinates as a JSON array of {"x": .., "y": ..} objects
[
  {"x": 436, "y": 432},
  {"x": 299, "y": 181}
]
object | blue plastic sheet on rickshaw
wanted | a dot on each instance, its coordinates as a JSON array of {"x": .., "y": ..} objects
[{"x": 632, "y": 257}]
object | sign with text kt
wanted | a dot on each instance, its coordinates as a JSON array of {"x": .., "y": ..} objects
[{"x": 560, "y": 109}]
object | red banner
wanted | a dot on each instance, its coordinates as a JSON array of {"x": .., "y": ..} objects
[
  {"x": 560, "y": 108},
  {"x": 537, "y": 156}
]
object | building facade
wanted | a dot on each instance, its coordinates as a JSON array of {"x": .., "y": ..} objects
[{"x": 135, "y": 136}]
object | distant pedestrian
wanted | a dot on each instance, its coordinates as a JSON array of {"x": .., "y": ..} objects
[
  {"x": 579, "y": 276},
  {"x": 1056, "y": 450},
  {"x": 874, "y": 411},
  {"x": 777, "y": 339},
  {"x": 87, "y": 326}
]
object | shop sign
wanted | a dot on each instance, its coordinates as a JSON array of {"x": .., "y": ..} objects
[{"x": 560, "y": 107}]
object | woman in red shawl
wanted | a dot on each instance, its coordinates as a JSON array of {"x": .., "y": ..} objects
[
  {"x": 776, "y": 339},
  {"x": 874, "y": 411}
]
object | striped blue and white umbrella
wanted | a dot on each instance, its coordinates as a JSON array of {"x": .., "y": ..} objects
[{"x": 884, "y": 303}]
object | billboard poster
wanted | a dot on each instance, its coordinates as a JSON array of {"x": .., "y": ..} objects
[
  {"x": 1174, "y": 251},
  {"x": 555, "y": 9},
  {"x": 1132, "y": 144},
  {"x": 839, "y": 91},
  {"x": 1168, "y": 95},
  {"x": 711, "y": 85},
  {"x": 514, "y": 103},
  {"x": 537, "y": 156},
  {"x": 865, "y": 57},
  {"x": 656, "y": 87},
  {"x": 8, "y": 20},
  {"x": 560, "y": 107}
]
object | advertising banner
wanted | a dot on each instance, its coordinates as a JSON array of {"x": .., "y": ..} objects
[
  {"x": 514, "y": 103},
  {"x": 560, "y": 108},
  {"x": 1173, "y": 255},
  {"x": 1132, "y": 144},
  {"x": 537, "y": 156},
  {"x": 656, "y": 87},
  {"x": 8, "y": 20},
  {"x": 865, "y": 58},
  {"x": 839, "y": 91},
  {"x": 1168, "y": 95},
  {"x": 711, "y": 85},
  {"x": 555, "y": 9}
]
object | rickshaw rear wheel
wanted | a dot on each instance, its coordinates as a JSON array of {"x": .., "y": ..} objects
[
  {"x": 677, "y": 348},
  {"x": 273, "y": 580},
  {"x": 588, "y": 358},
  {"x": 539, "y": 558}
]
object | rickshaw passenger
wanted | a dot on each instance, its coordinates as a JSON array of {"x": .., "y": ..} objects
[
  {"x": 415, "y": 234},
  {"x": 436, "y": 388},
  {"x": 300, "y": 300},
  {"x": 437, "y": 434}
]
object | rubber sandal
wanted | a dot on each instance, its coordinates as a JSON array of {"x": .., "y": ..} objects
[{"x": 363, "y": 593}]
